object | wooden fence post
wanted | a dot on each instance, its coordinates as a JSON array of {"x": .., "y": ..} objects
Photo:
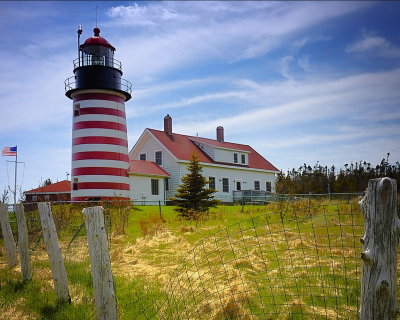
[
  {"x": 9, "y": 243},
  {"x": 100, "y": 264},
  {"x": 379, "y": 250},
  {"x": 58, "y": 272},
  {"x": 23, "y": 243}
]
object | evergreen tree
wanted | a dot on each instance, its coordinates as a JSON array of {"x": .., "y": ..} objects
[{"x": 192, "y": 198}]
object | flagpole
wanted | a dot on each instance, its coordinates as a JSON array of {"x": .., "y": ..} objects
[{"x": 15, "y": 180}]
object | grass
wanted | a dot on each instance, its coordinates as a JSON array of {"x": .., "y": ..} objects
[{"x": 296, "y": 263}]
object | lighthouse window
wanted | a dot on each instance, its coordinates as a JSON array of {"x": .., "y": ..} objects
[
  {"x": 75, "y": 184},
  {"x": 77, "y": 109}
]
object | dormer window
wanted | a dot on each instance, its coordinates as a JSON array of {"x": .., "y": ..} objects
[
  {"x": 235, "y": 158},
  {"x": 243, "y": 158}
]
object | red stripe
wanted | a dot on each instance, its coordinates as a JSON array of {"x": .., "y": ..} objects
[
  {"x": 100, "y": 140},
  {"x": 100, "y": 155},
  {"x": 98, "y": 96},
  {"x": 103, "y": 185},
  {"x": 102, "y": 198},
  {"x": 102, "y": 171},
  {"x": 99, "y": 125},
  {"x": 98, "y": 110}
]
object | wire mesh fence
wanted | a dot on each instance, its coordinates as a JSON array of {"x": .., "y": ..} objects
[
  {"x": 297, "y": 264},
  {"x": 296, "y": 260}
]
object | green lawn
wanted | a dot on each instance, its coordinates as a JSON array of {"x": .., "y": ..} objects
[{"x": 279, "y": 261}]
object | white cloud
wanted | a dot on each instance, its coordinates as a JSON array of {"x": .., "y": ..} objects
[
  {"x": 199, "y": 32},
  {"x": 295, "y": 102},
  {"x": 371, "y": 43}
]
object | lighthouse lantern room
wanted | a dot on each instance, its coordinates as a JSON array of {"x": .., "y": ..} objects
[{"x": 99, "y": 134}]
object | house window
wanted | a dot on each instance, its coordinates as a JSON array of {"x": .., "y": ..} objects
[
  {"x": 142, "y": 156},
  {"x": 77, "y": 109},
  {"x": 256, "y": 185},
  {"x": 34, "y": 198},
  {"x": 75, "y": 184},
  {"x": 243, "y": 158},
  {"x": 166, "y": 184},
  {"x": 154, "y": 187},
  {"x": 225, "y": 184},
  {"x": 235, "y": 158},
  {"x": 268, "y": 186},
  {"x": 46, "y": 197},
  {"x": 158, "y": 156},
  {"x": 238, "y": 185},
  {"x": 211, "y": 182}
]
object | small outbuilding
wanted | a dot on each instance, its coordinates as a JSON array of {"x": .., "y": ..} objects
[{"x": 59, "y": 191}]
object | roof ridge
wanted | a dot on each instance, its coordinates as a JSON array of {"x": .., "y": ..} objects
[{"x": 188, "y": 136}]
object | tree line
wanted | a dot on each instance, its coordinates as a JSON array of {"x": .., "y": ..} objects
[{"x": 351, "y": 178}]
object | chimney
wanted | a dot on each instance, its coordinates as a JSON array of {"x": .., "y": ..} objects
[
  {"x": 220, "y": 134},
  {"x": 168, "y": 124}
]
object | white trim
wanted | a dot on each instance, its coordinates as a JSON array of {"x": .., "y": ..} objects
[
  {"x": 147, "y": 175},
  {"x": 230, "y": 167}
]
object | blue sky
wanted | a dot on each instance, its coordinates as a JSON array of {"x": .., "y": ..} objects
[{"x": 300, "y": 82}]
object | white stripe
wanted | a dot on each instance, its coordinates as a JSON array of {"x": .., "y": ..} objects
[
  {"x": 99, "y": 132},
  {"x": 102, "y": 104},
  {"x": 100, "y": 193},
  {"x": 99, "y": 163},
  {"x": 100, "y": 178},
  {"x": 99, "y": 117},
  {"x": 99, "y": 147}
]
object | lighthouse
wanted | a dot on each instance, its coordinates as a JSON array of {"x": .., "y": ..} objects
[{"x": 99, "y": 133}]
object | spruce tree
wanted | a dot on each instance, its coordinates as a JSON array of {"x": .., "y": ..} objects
[{"x": 193, "y": 199}]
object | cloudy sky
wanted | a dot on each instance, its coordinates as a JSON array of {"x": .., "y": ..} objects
[{"x": 300, "y": 82}]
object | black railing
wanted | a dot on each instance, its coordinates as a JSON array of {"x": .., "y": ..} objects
[
  {"x": 91, "y": 60},
  {"x": 122, "y": 84}
]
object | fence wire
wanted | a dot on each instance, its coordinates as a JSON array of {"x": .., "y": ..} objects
[
  {"x": 301, "y": 261},
  {"x": 297, "y": 264}
]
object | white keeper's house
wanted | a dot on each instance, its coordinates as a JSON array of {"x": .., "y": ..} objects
[{"x": 159, "y": 160}]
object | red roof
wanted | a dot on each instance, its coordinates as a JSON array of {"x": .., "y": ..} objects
[
  {"x": 182, "y": 147},
  {"x": 60, "y": 187},
  {"x": 96, "y": 40},
  {"x": 146, "y": 167}
]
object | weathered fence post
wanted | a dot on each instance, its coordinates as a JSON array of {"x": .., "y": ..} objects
[
  {"x": 379, "y": 250},
  {"x": 23, "y": 242},
  {"x": 100, "y": 264},
  {"x": 58, "y": 272},
  {"x": 9, "y": 243}
]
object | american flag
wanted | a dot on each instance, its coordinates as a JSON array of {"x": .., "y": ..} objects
[{"x": 9, "y": 151}]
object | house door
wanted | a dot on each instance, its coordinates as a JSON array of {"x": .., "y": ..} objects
[{"x": 238, "y": 185}]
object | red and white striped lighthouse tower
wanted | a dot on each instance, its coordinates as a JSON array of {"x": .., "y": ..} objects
[{"x": 99, "y": 135}]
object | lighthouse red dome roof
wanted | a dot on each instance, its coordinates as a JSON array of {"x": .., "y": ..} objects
[{"x": 96, "y": 40}]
